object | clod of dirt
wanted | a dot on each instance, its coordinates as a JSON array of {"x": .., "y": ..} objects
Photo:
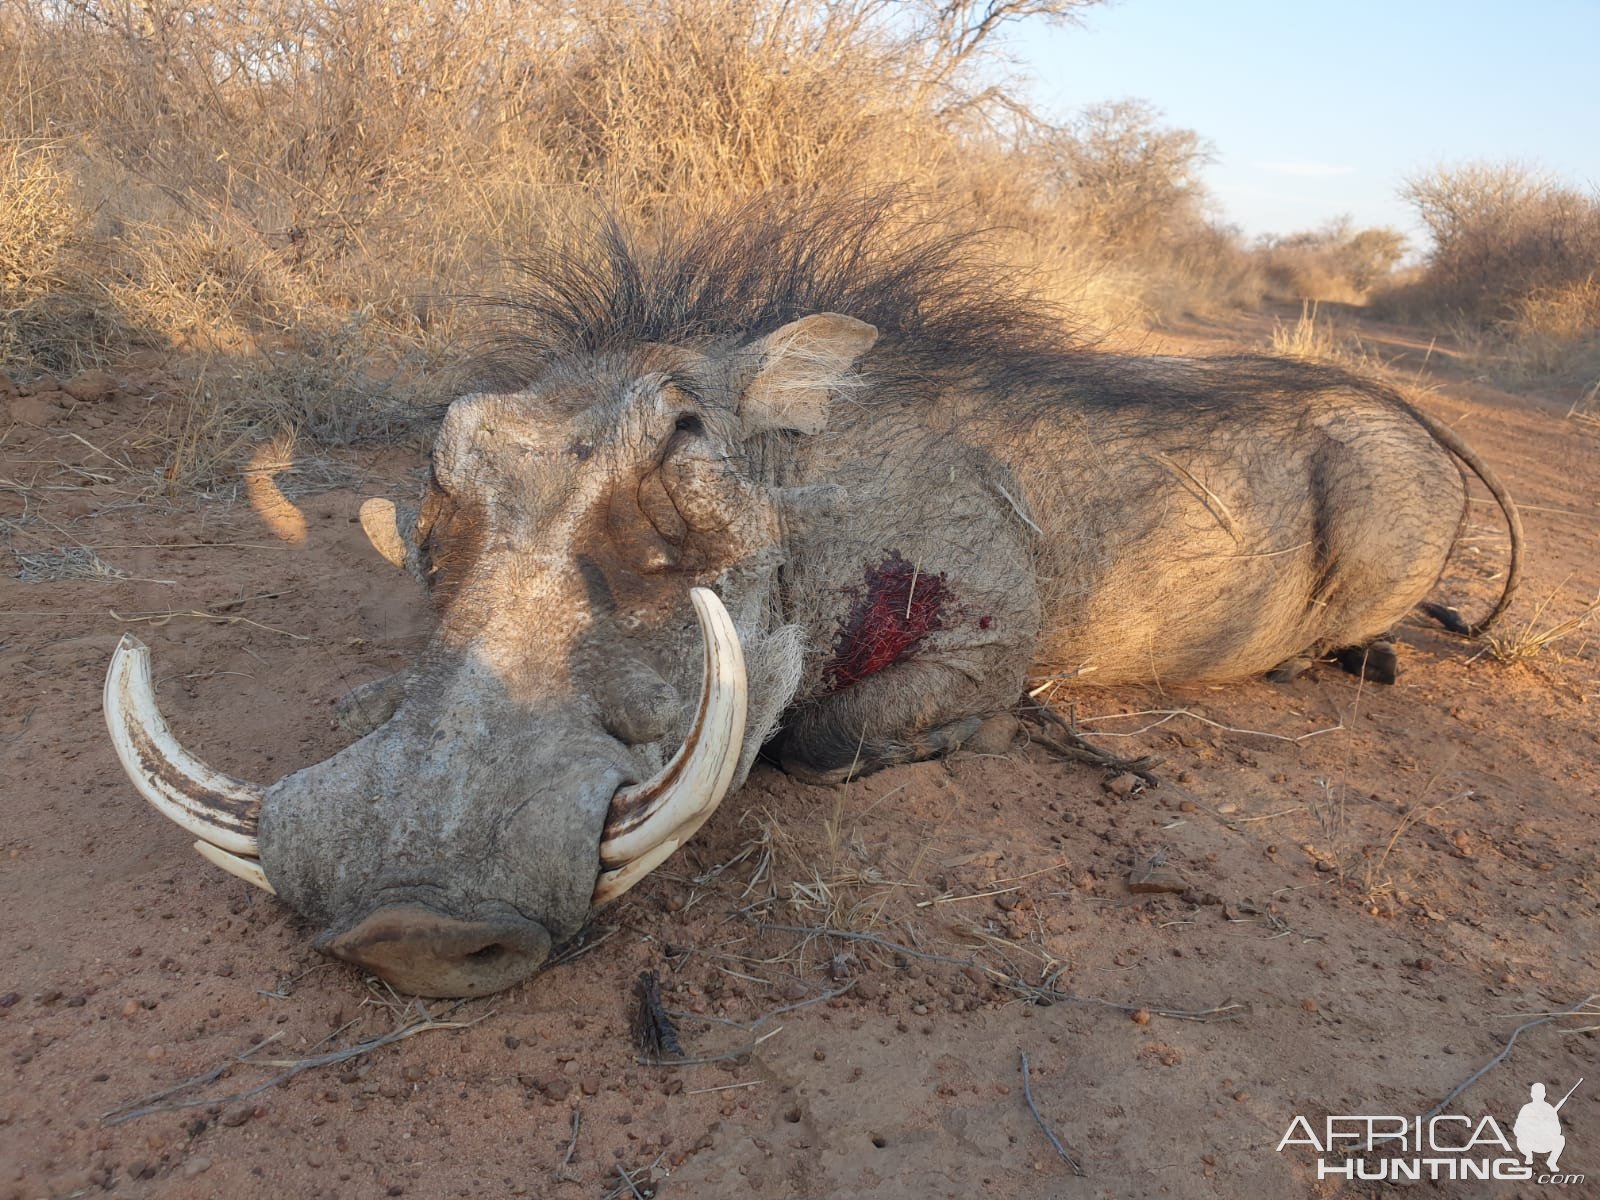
[
  {"x": 35, "y": 410},
  {"x": 91, "y": 387},
  {"x": 1151, "y": 878},
  {"x": 1122, "y": 785}
]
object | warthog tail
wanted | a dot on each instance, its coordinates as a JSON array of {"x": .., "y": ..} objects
[{"x": 1443, "y": 613}]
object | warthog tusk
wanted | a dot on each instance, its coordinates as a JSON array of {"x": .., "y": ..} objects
[
  {"x": 673, "y": 805},
  {"x": 215, "y": 807},
  {"x": 247, "y": 869},
  {"x": 612, "y": 884}
]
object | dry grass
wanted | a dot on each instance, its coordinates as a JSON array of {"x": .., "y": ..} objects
[
  {"x": 1537, "y": 634},
  {"x": 291, "y": 195},
  {"x": 1317, "y": 338},
  {"x": 1586, "y": 408},
  {"x": 74, "y": 563}
]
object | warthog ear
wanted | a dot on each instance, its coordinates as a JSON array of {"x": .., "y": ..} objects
[
  {"x": 798, "y": 366},
  {"x": 392, "y": 530}
]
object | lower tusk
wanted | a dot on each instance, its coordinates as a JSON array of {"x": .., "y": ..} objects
[
  {"x": 612, "y": 884},
  {"x": 688, "y": 789},
  {"x": 216, "y": 807},
  {"x": 247, "y": 869}
]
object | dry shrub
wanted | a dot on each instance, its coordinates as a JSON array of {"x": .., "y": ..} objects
[
  {"x": 53, "y": 316},
  {"x": 271, "y": 186},
  {"x": 1515, "y": 263},
  {"x": 1337, "y": 263},
  {"x": 1555, "y": 332},
  {"x": 1126, "y": 189}
]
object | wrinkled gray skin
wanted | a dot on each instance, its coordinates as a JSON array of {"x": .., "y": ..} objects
[{"x": 453, "y": 845}]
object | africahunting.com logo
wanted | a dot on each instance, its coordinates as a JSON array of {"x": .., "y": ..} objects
[{"x": 1441, "y": 1146}]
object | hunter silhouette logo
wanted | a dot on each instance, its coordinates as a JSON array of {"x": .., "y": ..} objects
[
  {"x": 1440, "y": 1145},
  {"x": 1538, "y": 1127}
]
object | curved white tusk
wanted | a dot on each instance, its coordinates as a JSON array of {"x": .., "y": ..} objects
[
  {"x": 247, "y": 869},
  {"x": 386, "y": 528},
  {"x": 688, "y": 789},
  {"x": 612, "y": 884},
  {"x": 216, "y": 807}
]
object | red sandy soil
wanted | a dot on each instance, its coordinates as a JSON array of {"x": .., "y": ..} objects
[{"x": 1376, "y": 887}]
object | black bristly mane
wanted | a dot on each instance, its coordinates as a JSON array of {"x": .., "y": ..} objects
[
  {"x": 741, "y": 273},
  {"x": 943, "y": 298}
]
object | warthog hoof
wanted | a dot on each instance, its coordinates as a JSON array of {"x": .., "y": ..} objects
[{"x": 1375, "y": 662}]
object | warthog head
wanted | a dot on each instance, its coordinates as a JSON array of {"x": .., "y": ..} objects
[{"x": 548, "y": 750}]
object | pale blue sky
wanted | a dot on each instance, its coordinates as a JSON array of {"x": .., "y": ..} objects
[{"x": 1318, "y": 109}]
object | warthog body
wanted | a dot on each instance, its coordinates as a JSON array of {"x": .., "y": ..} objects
[{"x": 911, "y": 495}]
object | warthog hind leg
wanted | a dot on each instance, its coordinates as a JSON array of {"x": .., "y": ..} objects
[{"x": 1376, "y": 662}]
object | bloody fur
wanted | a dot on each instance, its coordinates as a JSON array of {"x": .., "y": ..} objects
[{"x": 897, "y": 608}]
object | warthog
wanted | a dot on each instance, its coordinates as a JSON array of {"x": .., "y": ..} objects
[{"x": 846, "y": 488}]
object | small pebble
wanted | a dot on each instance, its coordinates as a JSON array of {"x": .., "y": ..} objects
[
  {"x": 1141, "y": 1016},
  {"x": 198, "y": 1165},
  {"x": 156, "y": 1053}
]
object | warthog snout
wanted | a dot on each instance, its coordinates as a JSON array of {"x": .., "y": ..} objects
[
  {"x": 428, "y": 953},
  {"x": 491, "y": 825}
]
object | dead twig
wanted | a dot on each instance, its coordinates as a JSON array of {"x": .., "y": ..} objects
[
  {"x": 585, "y": 942},
  {"x": 1505, "y": 1052},
  {"x": 1027, "y": 1094},
  {"x": 292, "y": 1067},
  {"x": 1168, "y": 714},
  {"x": 1230, "y": 1011},
  {"x": 158, "y": 619},
  {"x": 630, "y": 1185},
  {"x": 198, "y": 1080},
  {"x": 741, "y": 1052},
  {"x": 1063, "y": 738},
  {"x": 562, "y": 1174}
]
